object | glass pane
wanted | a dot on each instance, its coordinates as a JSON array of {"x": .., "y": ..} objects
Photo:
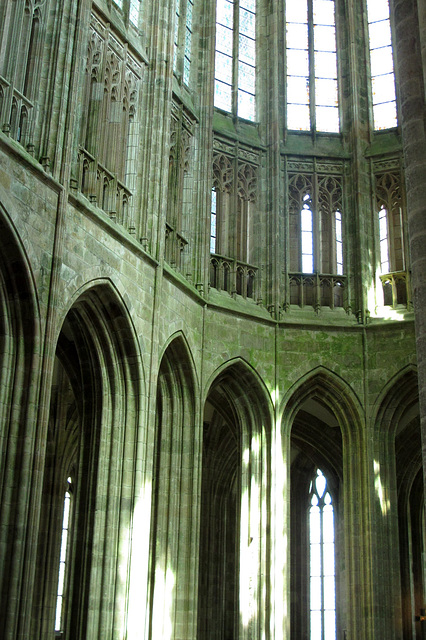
[
  {"x": 246, "y": 105},
  {"x": 328, "y": 523},
  {"x": 247, "y": 23},
  {"x": 63, "y": 555},
  {"x": 222, "y": 96},
  {"x": 326, "y": 92},
  {"x": 338, "y": 226},
  {"x": 320, "y": 484},
  {"x": 307, "y": 264},
  {"x": 329, "y": 559},
  {"x": 380, "y": 34},
  {"x": 66, "y": 510},
  {"x": 61, "y": 578},
  {"x": 298, "y": 90},
  {"x": 325, "y": 64},
  {"x": 248, "y": 4},
  {"x": 377, "y": 10},
  {"x": 329, "y": 625},
  {"x": 314, "y": 524},
  {"x": 316, "y": 625},
  {"x": 297, "y": 62},
  {"x": 246, "y": 77},
  {"x": 329, "y": 592},
  {"x": 315, "y": 593},
  {"x": 58, "y": 613},
  {"x": 323, "y": 12},
  {"x": 298, "y": 117},
  {"x": 385, "y": 115},
  {"x": 324, "y": 38},
  {"x": 306, "y": 220},
  {"x": 186, "y": 70},
  {"x": 225, "y": 13},
  {"x": 383, "y": 88},
  {"x": 134, "y": 11},
  {"x": 307, "y": 243},
  {"x": 247, "y": 50},
  {"x": 296, "y": 11},
  {"x": 223, "y": 39},
  {"x": 315, "y": 560},
  {"x": 327, "y": 119},
  {"x": 297, "y": 36},
  {"x": 223, "y": 67},
  {"x": 381, "y": 61}
]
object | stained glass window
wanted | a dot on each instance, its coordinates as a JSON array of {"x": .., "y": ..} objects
[
  {"x": 312, "y": 88},
  {"x": 235, "y": 85},
  {"x": 381, "y": 63},
  {"x": 321, "y": 561}
]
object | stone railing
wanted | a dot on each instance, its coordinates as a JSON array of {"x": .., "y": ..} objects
[
  {"x": 396, "y": 289},
  {"x": 316, "y": 290},
  {"x": 233, "y": 276},
  {"x": 175, "y": 245},
  {"x": 104, "y": 189}
]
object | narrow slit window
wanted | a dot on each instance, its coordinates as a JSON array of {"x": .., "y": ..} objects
[
  {"x": 307, "y": 235},
  {"x": 339, "y": 243},
  {"x": 381, "y": 64},
  {"x": 213, "y": 222},
  {"x": 384, "y": 240},
  {"x": 63, "y": 557}
]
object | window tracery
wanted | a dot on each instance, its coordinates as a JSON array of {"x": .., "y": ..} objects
[
  {"x": 234, "y": 197},
  {"x": 109, "y": 125},
  {"x": 20, "y": 58}
]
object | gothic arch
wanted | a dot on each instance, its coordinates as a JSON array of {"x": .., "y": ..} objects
[
  {"x": 174, "y": 502},
  {"x": 322, "y": 427},
  {"x": 235, "y": 522},
  {"x": 93, "y": 435},
  {"x": 19, "y": 375},
  {"x": 399, "y": 451}
]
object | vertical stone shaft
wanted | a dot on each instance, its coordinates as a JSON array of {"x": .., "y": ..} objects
[{"x": 412, "y": 116}]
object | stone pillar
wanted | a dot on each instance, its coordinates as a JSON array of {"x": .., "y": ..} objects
[{"x": 412, "y": 119}]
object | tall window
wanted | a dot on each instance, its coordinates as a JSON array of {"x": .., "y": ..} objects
[
  {"x": 213, "y": 222},
  {"x": 63, "y": 557},
  {"x": 183, "y": 39},
  {"x": 235, "y": 61},
  {"x": 321, "y": 561},
  {"x": 312, "y": 89},
  {"x": 381, "y": 60}
]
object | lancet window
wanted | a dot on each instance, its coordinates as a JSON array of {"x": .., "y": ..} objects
[
  {"x": 311, "y": 66},
  {"x": 391, "y": 241},
  {"x": 109, "y": 124},
  {"x": 20, "y": 57},
  {"x": 183, "y": 39},
  {"x": 179, "y": 184},
  {"x": 233, "y": 206},
  {"x": 316, "y": 206},
  {"x": 235, "y": 59},
  {"x": 322, "y": 599},
  {"x": 382, "y": 67}
]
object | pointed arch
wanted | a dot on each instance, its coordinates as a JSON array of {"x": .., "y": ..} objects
[
  {"x": 235, "y": 538},
  {"x": 19, "y": 376},
  {"x": 94, "y": 435}
]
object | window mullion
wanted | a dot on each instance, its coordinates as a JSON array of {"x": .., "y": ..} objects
[{"x": 235, "y": 57}]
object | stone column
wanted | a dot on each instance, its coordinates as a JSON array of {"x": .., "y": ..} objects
[{"x": 412, "y": 114}]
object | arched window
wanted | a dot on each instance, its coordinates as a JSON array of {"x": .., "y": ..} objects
[
  {"x": 322, "y": 589},
  {"x": 381, "y": 61},
  {"x": 311, "y": 58},
  {"x": 63, "y": 556},
  {"x": 235, "y": 60}
]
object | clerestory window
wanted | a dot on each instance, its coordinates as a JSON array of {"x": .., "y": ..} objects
[
  {"x": 235, "y": 59},
  {"x": 183, "y": 39},
  {"x": 311, "y": 64},
  {"x": 382, "y": 67},
  {"x": 132, "y": 10}
]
